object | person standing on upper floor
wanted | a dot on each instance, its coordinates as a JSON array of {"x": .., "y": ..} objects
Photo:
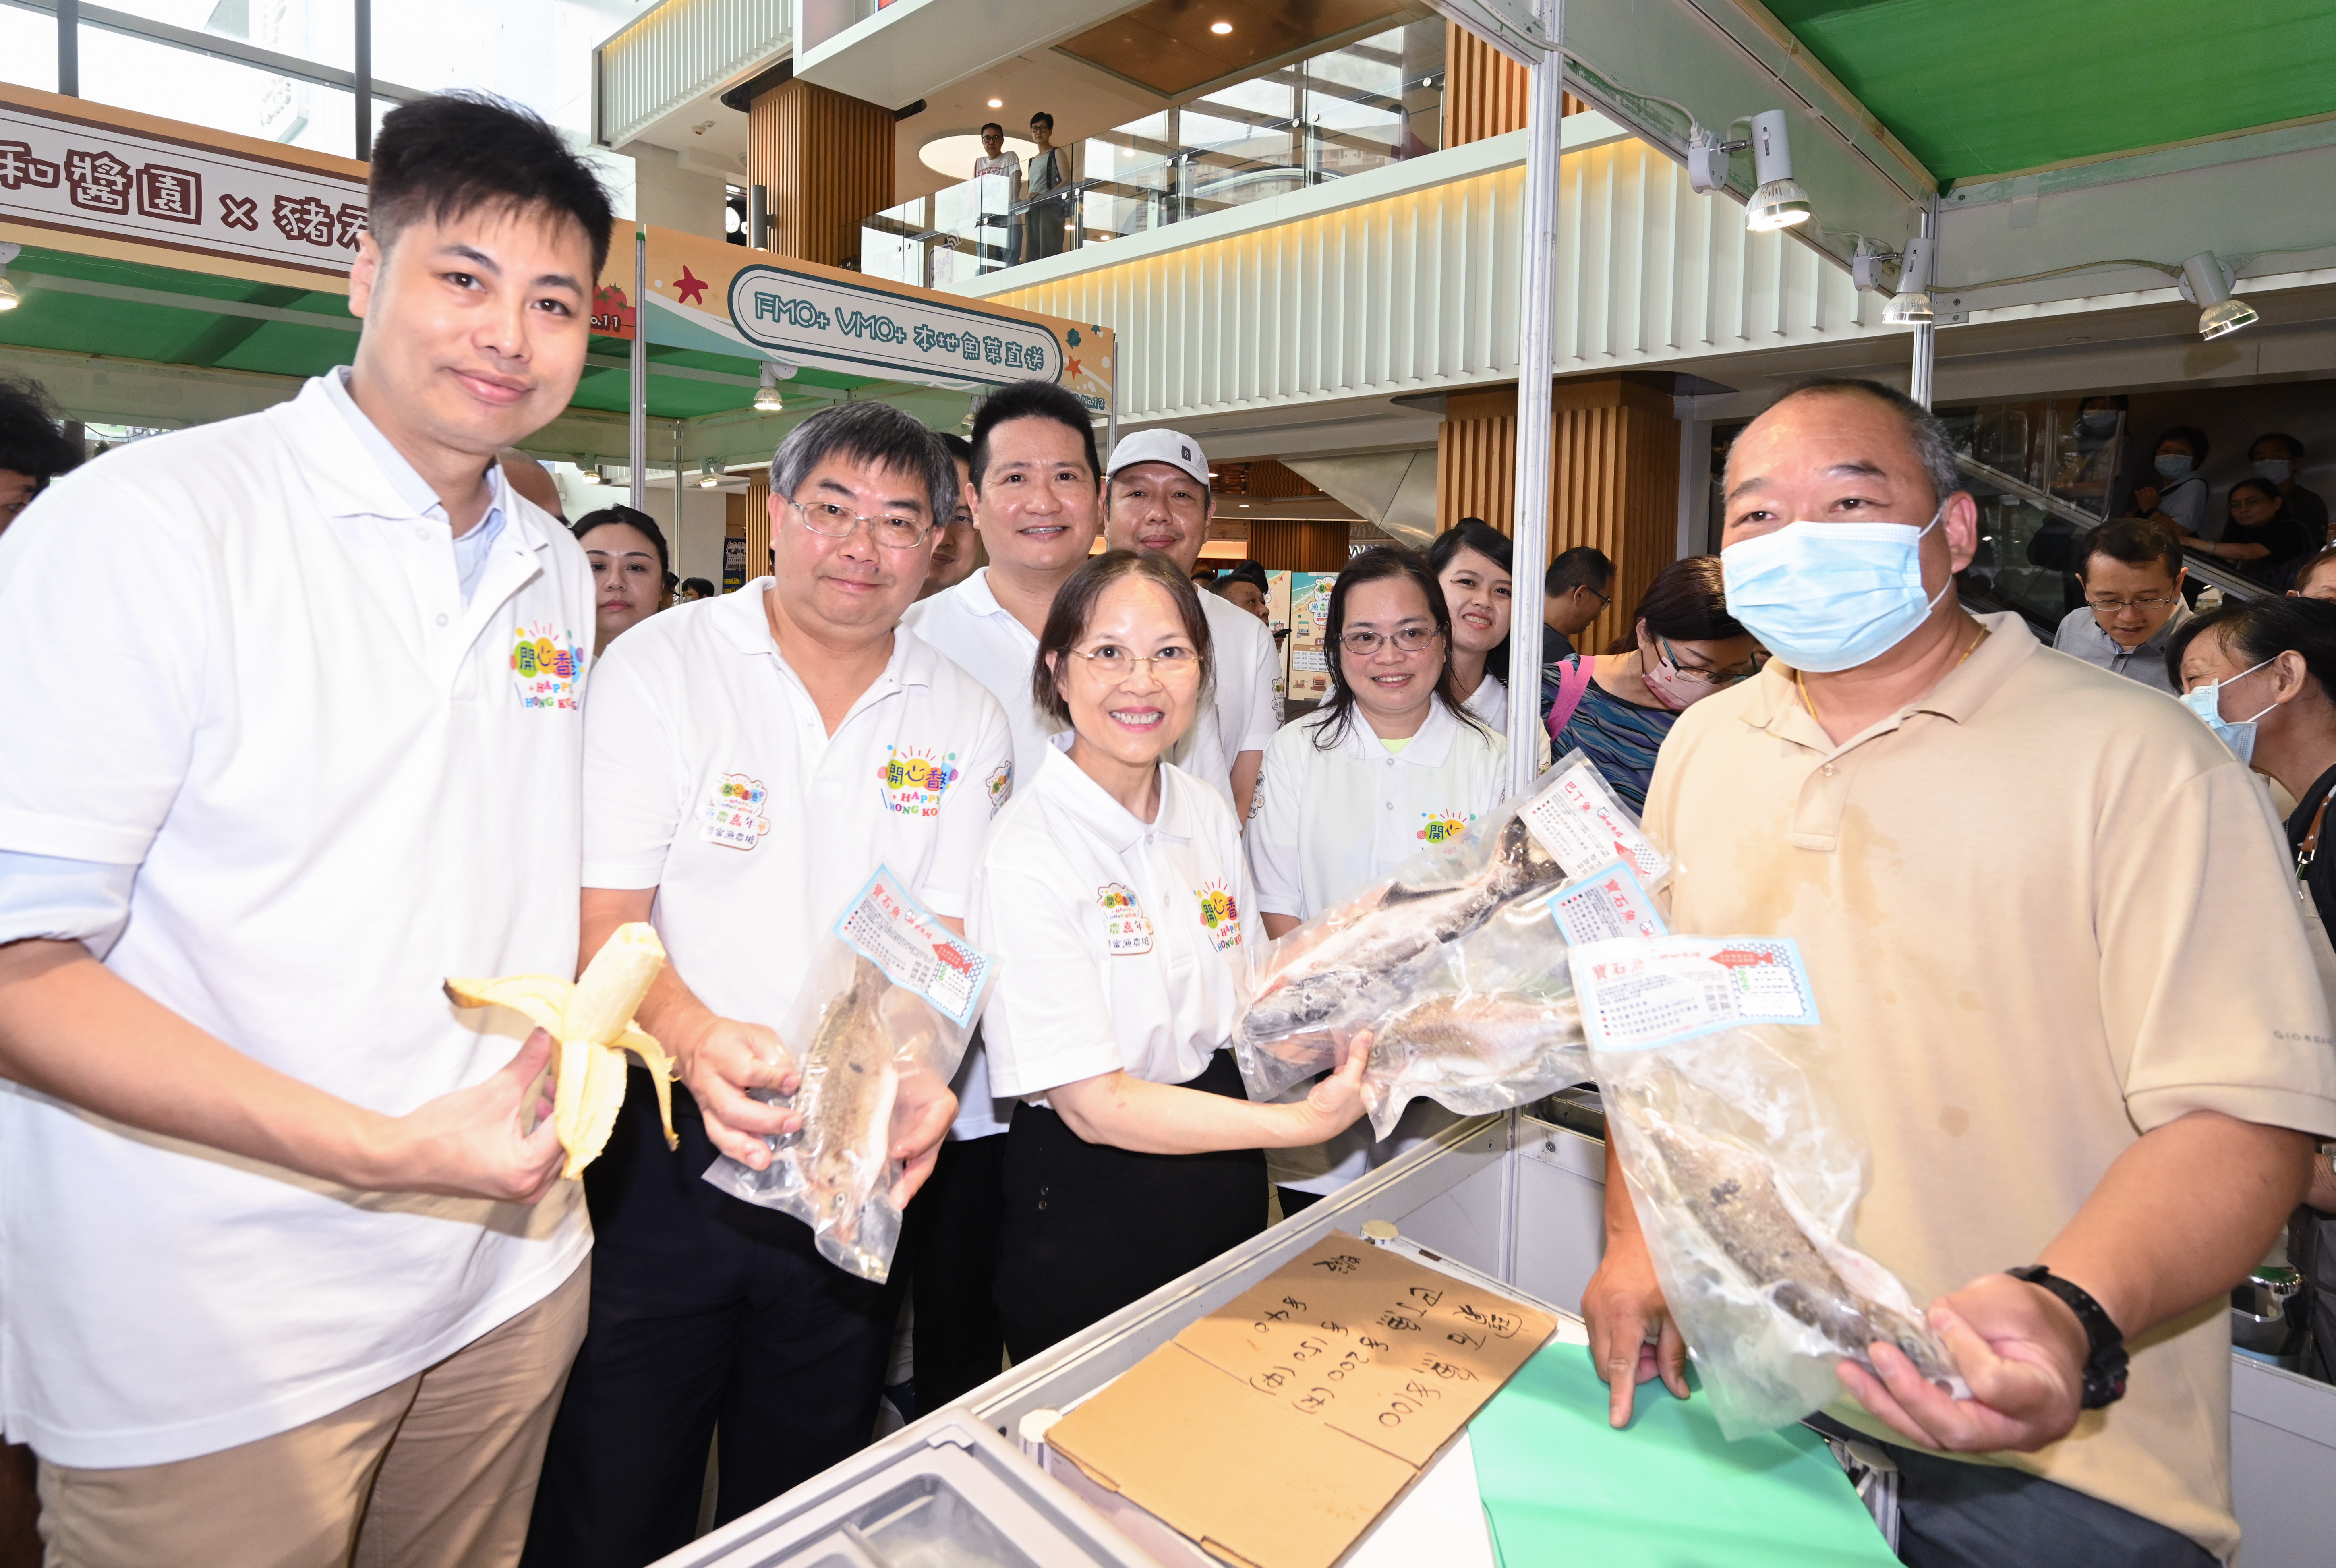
[
  {"x": 1575, "y": 591},
  {"x": 2278, "y": 459},
  {"x": 1616, "y": 707},
  {"x": 2175, "y": 495},
  {"x": 1392, "y": 764},
  {"x": 1156, "y": 497},
  {"x": 957, "y": 547},
  {"x": 2259, "y": 538},
  {"x": 2034, "y": 1094},
  {"x": 1043, "y": 226},
  {"x": 627, "y": 550},
  {"x": 996, "y": 205},
  {"x": 33, "y": 447},
  {"x": 2132, "y": 574}
]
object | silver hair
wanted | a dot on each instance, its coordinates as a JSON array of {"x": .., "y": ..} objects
[{"x": 871, "y": 433}]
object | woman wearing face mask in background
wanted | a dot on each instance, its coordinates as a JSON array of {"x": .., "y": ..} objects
[
  {"x": 2176, "y": 495},
  {"x": 1618, "y": 707},
  {"x": 2277, "y": 457}
]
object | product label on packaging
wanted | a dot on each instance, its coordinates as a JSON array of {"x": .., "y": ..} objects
[
  {"x": 1609, "y": 903},
  {"x": 1583, "y": 825},
  {"x": 1638, "y": 994},
  {"x": 888, "y": 928}
]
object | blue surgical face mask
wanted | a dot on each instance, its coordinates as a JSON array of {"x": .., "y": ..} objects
[
  {"x": 2207, "y": 702},
  {"x": 2173, "y": 464},
  {"x": 2098, "y": 422},
  {"x": 2277, "y": 469},
  {"x": 1831, "y": 596}
]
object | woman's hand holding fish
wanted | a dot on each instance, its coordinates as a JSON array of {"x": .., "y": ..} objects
[
  {"x": 718, "y": 1060},
  {"x": 922, "y": 1115},
  {"x": 1336, "y": 1102},
  {"x": 2019, "y": 1347}
]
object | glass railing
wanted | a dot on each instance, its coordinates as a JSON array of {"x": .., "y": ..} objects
[{"x": 1346, "y": 110}]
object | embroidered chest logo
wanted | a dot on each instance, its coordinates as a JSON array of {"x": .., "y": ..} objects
[
  {"x": 1001, "y": 785},
  {"x": 913, "y": 781},
  {"x": 546, "y": 666},
  {"x": 1126, "y": 927},
  {"x": 1441, "y": 827},
  {"x": 1220, "y": 915},
  {"x": 732, "y": 815}
]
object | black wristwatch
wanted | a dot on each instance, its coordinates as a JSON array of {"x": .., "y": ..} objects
[{"x": 2105, "y": 1367}]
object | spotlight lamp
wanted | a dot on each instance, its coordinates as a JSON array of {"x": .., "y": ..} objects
[
  {"x": 1706, "y": 161},
  {"x": 766, "y": 396},
  {"x": 2206, "y": 281},
  {"x": 9, "y": 297},
  {"x": 1778, "y": 202},
  {"x": 1911, "y": 305},
  {"x": 708, "y": 478}
]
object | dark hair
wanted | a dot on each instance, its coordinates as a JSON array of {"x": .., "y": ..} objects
[
  {"x": 2189, "y": 435},
  {"x": 629, "y": 518},
  {"x": 1031, "y": 400},
  {"x": 702, "y": 587},
  {"x": 2135, "y": 541},
  {"x": 33, "y": 442},
  {"x": 1251, "y": 573},
  {"x": 959, "y": 449},
  {"x": 1042, "y": 114},
  {"x": 2312, "y": 563},
  {"x": 1686, "y": 602},
  {"x": 1924, "y": 433},
  {"x": 1580, "y": 566},
  {"x": 1381, "y": 563},
  {"x": 2262, "y": 487},
  {"x": 2263, "y": 628},
  {"x": 1475, "y": 533},
  {"x": 878, "y": 435},
  {"x": 2294, "y": 447},
  {"x": 1073, "y": 608},
  {"x": 994, "y": 125},
  {"x": 447, "y": 156}
]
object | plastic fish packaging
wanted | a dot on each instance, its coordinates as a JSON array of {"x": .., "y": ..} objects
[
  {"x": 1744, "y": 1171},
  {"x": 876, "y": 1033}
]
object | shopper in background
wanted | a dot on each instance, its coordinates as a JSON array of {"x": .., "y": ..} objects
[
  {"x": 2176, "y": 495},
  {"x": 1044, "y": 225},
  {"x": 706, "y": 1308},
  {"x": 995, "y": 157},
  {"x": 2259, "y": 537},
  {"x": 2279, "y": 458},
  {"x": 33, "y": 446},
  {"x": 1471, "y": 563},
  {"x": 2131, "y": 572},
  {"x": 1999, "y": 1024},
  {"x": 2315, "y": 577},
  {"x": 1114, "y": 894},
  {"x": 996, "y": 206},
  {"x": 1244, "y": 587},
  {"x": 1156, "y": 497},
  {"x": 957, "y": 547},
  {"x": 291, "y": 1276},
  {"x": 627, "y": 550},
  {"x": 694, "y": 589},
  {"x": 1392, "y": 763},
  {"x": 1575, "y": 591},
  {"x": 1617, "y": 708}
]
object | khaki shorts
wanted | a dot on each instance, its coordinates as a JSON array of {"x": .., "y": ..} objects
[{"x": 438, "y": 1471}]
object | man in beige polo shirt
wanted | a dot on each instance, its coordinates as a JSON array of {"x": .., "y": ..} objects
[{"x": 2053, "y": 941}]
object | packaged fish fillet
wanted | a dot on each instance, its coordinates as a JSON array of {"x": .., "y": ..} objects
[
  {"x": 877, "y": 1028},
  {"x": 1744, "y": 1169}
]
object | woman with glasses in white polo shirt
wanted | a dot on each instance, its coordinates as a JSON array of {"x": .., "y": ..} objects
[
  {"x": 1112, "y": 892},
  {"x": 1393, "y": 764}
]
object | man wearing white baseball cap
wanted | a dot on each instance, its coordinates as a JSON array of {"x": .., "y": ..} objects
[{"x": 1158, "y": 500}]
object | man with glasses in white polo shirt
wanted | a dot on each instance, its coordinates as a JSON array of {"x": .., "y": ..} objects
[{"x": 852, "y": 744}]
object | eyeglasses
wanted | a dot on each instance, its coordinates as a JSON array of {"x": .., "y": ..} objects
[
  {"x": 1114, "y": 663},
  {"x": 1603, "y": 598},
  {"x": 832, "y": 521},
  {"x": 2147, "y": 602},
  {"x": 1705, "y": 673},
  {"x": 1406, "y": 639}
]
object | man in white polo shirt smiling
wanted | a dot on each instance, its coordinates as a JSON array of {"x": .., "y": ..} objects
[
  {"x": 290, "y": 1276},
  {"x": 750, "y": 762}
]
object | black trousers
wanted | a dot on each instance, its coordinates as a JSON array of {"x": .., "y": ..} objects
[
  {"x": 705, "y": 1310},
  {"x": 949, "y": 1245},
  {"x": 1090, "y": 1228}
]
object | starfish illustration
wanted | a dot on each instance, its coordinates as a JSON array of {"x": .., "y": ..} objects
[
  {"x": 691, "y": 289},
  {"x": 1070, "y": 366}
]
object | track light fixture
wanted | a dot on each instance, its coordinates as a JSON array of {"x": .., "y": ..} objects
[
  {"x": 1779, "y": 202},
  {"x": 2206, "y": 281},
  {"x": 766, "y": 396},
  {"x": 708, "y": 477},
  {"x": 1911, "y": 305}
]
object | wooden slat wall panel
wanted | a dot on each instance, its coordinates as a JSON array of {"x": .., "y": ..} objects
[
  {"x": 1483, "y": 90},
  {"x": 1476, "y": 459},
  {"x": 758, "y": 528},
  {"x": 826, "y": 161},
  {"x": 1290, "y": 546}
]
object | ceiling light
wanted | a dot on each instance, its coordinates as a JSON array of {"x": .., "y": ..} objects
[
  {"x": 2207, "y": 280},
  {"x": 1911, "y": 305},
  {"x": 997, "y": 103},
  {"x": 766, "y": 396},
  {"x": 706, "y": 478},
  {"x": 1221, "y": 28},
  {"x": 1779, "y": 202},
  {"x": 9, "y": 297}
]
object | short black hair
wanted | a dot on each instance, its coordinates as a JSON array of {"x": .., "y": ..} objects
[
  {"x": 629, "y": 518},
  {"x": 702, "y": 587},
  {"x": 1042, "y": 114},
  {"x": 2189, "y": 435},
  {"x": 876, "y": 433},
  {"x": 1031, "y": 400},
  {"x": 956, "y": 445},
  {"x": 1475, "y": 533},
  {"x": 32, "y": 441},
  {"x": 2135, "y": 541},
  {"x": 1382, "y": 563},
  {"x": 2260, "y": 630},
  {"x": 993, "y": 125},
  {"x": 1251, "y": 573},
  {"x": 1580, "y": 566},
  {"x": 2293, "y": 448},
  {"x": 1924, "y": 431},
  {"x": 447, "y": 156}
]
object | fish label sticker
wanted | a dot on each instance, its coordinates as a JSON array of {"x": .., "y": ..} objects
[
  {"x": 1126, "y": 929},
  {"x": 732, "y": 815},
  {"x": 1602, "y": 906},
  {"x": 886, "y": 926},
  {"x": 1638, "y": 994},
  {"x": 1583, "y": 825}
]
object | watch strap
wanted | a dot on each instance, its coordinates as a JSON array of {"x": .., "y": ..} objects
[{"x": 2106, "y": 1362}]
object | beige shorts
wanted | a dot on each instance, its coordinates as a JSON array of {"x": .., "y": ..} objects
[{"x": 436, "y": 1472}]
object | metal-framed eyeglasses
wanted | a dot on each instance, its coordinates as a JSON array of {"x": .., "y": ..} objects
[
  {"x": 2147, "y": 603},
  {"x": 1704, "y": 673},
  {"x": 1414, "y": 639},
  {"x": 1112, "y": 662},
  {"x": 889, "y": 531}
]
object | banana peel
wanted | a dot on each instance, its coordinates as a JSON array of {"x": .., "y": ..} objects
[{"x": 590, "y": 1021}]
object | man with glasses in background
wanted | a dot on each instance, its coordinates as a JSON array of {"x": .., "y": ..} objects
[{"x": 2132, "y": 572}]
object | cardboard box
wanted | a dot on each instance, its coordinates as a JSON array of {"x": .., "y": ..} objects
[{"x": 1275, "y": 1430}]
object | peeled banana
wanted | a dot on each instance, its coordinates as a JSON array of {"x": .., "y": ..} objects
[{"x": 591, "y": 1021}]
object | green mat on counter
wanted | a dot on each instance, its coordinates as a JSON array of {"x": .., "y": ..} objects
[{"x": 1561, "y": 1487}]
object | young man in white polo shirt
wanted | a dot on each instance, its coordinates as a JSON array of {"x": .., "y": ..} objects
[
  {"x": 1157, "y": 498},
  {"x": 290, "y": 1278},
  {"x": 846, "y": 743}
]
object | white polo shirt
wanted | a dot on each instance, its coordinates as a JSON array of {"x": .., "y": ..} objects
[
  {"x": 240, "y": 659},
  {"x": 981, "y": 636},
  {"x": 1490, "y": 702},
  {"x": 1241, "y": 715},
  {"x": 709, "y": 776},
  {"x": 1121, "y": 944}
]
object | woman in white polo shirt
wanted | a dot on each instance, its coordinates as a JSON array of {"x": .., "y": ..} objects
[
  {"x": 1392, "y": 764},
  {"x": 1112, "y": 892}
]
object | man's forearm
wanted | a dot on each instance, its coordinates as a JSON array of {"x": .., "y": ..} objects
[{"x": 2180, "y": 1215}]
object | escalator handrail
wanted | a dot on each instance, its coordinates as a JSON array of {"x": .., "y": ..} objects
[{"x": 2205, "y": 568}]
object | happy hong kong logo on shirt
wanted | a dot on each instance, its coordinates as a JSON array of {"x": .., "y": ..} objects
[
  {"x": 1220, "y": 915},
  {"x": 913, "y": 781},
  {"x": 546, "y": 666},
  {"x": 1441, "y": 827}
]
